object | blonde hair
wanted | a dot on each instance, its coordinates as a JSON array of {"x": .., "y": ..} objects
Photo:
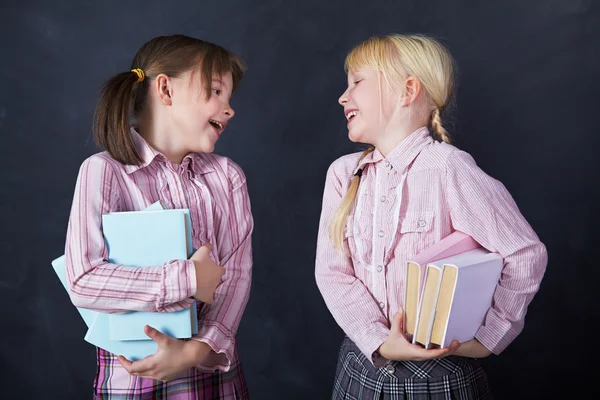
[{"x": 398, "y": 57}]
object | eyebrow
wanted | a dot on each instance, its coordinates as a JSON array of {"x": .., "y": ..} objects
[
  {"x": 220, "y": 81},
  {"x": 352, "y": 76}
]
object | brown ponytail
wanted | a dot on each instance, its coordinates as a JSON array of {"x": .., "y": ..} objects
[{"x": 111, "y": 121}]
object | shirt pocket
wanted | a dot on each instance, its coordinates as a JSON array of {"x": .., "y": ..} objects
[
  {"x": 417, "y": 222},
  {"x": 416, "y": 231},
  {"x": 359, "y": 240}
]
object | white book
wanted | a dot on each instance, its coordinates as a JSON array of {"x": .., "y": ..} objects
[
  {"x": 427, "y": 303},
  {"x": 463, "y": 289}
]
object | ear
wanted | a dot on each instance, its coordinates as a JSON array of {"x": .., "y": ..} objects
[
  {"x": 412, "y": 90},
  {"x": 163, "y": 85}
]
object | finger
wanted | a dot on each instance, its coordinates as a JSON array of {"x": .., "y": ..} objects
[
  {"x": 453, "y": 346},
  {"x": 397, "y": 323},
  {"x": 402, "y": 317},
  {"x": 143, "y": 368},
  {"x": 425, "y": 354},
  {"x": 147, "y": 375},
  {"x": 125, "y": 363},
  {"x": 219, "y": 277},
  {"x": 438, "y": 353},
  {"x": 160, "y": 338}
]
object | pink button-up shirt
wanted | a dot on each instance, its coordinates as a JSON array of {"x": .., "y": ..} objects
[
  {"x": 420, "y": 193},
  {"x": 214, "y": 189}
]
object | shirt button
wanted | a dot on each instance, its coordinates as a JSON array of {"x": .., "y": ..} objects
[
  {"x": 390, "y": 368},
  {"x": 382, "y": 199},
  {"x": 422, "y": 223},
  {"x": 382, "y": 305},
  {"x": 379, "y": 268},
  {"x": 381, "y": 233},
  {"x": 386, "y": 164}
]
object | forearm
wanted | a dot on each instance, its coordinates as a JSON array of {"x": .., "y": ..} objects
[
  {"x": 111, "y": 288},
  {"x": 473, "y": 349},
  {"x": 353, "y": 308}
]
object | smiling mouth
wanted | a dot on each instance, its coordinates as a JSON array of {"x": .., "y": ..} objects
[
  {"x": 351, "y": 114},
  {"x": 219, "y": 126}
]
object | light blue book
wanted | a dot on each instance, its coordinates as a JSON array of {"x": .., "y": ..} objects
[
  {"x": 149, "y": 239},
  {"x": 60, "y": 269},
  {"x": 98, "y": 335}
]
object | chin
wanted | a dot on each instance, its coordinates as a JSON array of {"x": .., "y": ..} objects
[
  {"x": 355, "y": 136},
  {"x": 205, "y": 145},
  {"x": 208, "y": 148}
]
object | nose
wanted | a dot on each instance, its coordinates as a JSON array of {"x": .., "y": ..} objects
[
  {"x": 343, "y": 98},
  {"x": 229, "y": 112}
]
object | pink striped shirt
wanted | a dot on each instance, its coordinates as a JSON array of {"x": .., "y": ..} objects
[
  {"x": 214, "y": 189},
  {"x": 423, "y": 191}
]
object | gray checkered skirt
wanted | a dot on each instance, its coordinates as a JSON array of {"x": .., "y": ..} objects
[{"x": 452, "y": 377}]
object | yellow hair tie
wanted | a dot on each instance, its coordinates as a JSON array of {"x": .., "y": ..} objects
[{"x": 140, "y": 74}]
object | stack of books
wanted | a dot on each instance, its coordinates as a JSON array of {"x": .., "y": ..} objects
[
  {"x": 449, "y": 290},
  {"x": 151, "y": 237}
]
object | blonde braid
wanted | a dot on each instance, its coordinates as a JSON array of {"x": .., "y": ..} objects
[
  {"x": 338, "y": 222},
  {"x": 438, "y": 128}
]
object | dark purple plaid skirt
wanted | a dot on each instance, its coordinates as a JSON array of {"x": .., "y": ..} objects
[{"x": 452, "y": 377}]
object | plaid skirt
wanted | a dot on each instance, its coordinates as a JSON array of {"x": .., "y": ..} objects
[
  {"x": 113, "y": 382},
  {"x": 451, "y": 377}
]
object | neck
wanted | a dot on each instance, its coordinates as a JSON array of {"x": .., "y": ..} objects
[
  {"x": 157, "y": 136},
  {"x": 394, "y": 136}
]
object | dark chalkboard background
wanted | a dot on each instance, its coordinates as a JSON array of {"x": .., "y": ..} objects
[{"x": 527, "y": 112}]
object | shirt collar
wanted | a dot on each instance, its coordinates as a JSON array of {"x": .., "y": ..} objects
[
  {"x": 403, "y": 154},
  {"x": 149, "y": 154}
]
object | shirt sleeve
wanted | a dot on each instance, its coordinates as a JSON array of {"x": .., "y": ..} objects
[
  {"x": 349, "y": 301},
  {"x": 481, "y": 206},
  {"x": 218, "y": 322},
  {"x": 96, "y": 284}
]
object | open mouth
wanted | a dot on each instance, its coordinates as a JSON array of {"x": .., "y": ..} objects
[
  {"x": 350, "y": 114},
  {"x": 219, "y": 126}
]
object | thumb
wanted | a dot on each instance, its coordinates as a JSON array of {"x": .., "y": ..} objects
[
  {"x": 156, "y": 335},
  {"x": 208, "y": 247},
  {"x": 202, "y": 252},
  {"x": 398, "y": 322}
]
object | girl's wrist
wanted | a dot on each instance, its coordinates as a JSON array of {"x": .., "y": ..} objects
[
  {"x": 474, "y": 349},
  {"x": 197, "y": 351},
  {"x": 382, "y": 350}
]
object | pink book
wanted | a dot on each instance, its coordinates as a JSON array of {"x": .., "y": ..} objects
[{"x": 453, "y": 244}]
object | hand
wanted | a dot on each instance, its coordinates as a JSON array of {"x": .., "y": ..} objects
[
  {"x": 397, "y": 347},
  {"x": 208, "y": 274},
  {"x": 172, "y": 357},
  {"x": 474, "y": 349}
]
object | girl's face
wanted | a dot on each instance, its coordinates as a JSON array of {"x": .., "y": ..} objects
[
  {"x": 366, "y": 104},
  {"x": 197, "y": 123},
  {"x": 379, "y": 115}
]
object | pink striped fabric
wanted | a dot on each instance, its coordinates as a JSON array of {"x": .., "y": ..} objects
[
  {"x": 420, "y": 193},
  {"x": 214, "y": 189}
]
